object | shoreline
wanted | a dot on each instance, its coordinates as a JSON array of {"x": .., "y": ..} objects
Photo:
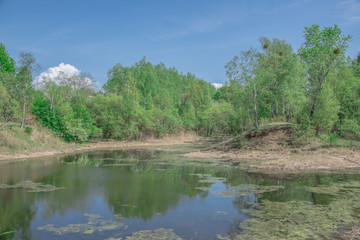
[
  {"x": 286, "y": 160},
  {"x": 103, "y": 145},
  {"x": 281, "y": 160}
]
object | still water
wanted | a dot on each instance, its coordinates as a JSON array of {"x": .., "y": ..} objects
[{"x": 156, "y": 194}]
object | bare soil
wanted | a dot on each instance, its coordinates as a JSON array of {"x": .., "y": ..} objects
[{"x": 273, "y": 150}]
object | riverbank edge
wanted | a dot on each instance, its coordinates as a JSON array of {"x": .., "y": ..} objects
[
  {"x": 102, "y": 145},
  {"x": 267, "y": 162},
  {"x": 286, "y": 160}
]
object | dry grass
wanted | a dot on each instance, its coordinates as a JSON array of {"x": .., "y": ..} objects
[
  {"x": 274, "y": 150},
  {"x": 15, "y": 144}
]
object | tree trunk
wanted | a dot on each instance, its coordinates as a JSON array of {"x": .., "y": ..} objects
[
  {"x": 255, "y": 109},
  {"x": 277, "y": 109},
  {"x": 288, "y": 114},
  {"x": 312, "y": 110},
  {"x": 283, "y": 107},
  {"x": 314, "y": 103},
  {"x": 23, "y": 113},
  {"x": 24, "y": 106}
]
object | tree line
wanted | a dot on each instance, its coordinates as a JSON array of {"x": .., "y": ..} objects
[{"x": 317, "y": 88}]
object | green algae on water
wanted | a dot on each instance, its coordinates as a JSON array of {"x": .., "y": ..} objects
[
  {"x": 30, "y": 186},
  {"x": 157, "y": 234},
  {"x": 95, "y": 223},
  {"x": 247, "y": 189},
  {"x": 334, "y": 189},
  {"x": 304, "y": 220},
  {"x": 208, "y": 178},
  {"x": 5, "y": 233}
]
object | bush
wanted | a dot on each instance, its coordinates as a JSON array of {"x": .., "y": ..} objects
[{"x": 29, "y": 130}]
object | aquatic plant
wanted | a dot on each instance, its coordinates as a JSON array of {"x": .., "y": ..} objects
[
  {"x": 302, "y": 219},
  {"x": 157, "y": 234},
  {"x": 94, "y": 223},
  {"x": 30, "y": 186},
  {"x": 247, "y": 189}
]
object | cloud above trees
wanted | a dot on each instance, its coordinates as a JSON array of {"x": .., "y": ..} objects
[
  {"x": 64, "y": 74},
  {"x": 217, "y": 85}
]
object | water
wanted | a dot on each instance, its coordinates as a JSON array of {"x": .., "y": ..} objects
[{"x": 149, "y": 193}]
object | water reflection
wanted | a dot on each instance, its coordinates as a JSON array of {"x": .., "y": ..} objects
[{"x": 143, "y": 189}]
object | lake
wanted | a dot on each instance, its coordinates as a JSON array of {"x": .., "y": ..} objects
[{"x": 154, "y": 193}]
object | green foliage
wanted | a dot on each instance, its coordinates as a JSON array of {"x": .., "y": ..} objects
[
  {"x": 156, "y": 101},
  {"x": 217, "y": 119},
  {"x": 323, "y": 51},
  {"x": 9, "y": 108},
  {"x": 333, "y": 138},
  {"x": 146, "y": 100},
  {"x": 326, "y": 114},
  {"x": 7, "y": 64},
  {"x": 119, "y": 117},
  {"x": 350, "y": 129},
  {"x": 24, "y": 78},
  {"x": 72, "y": 124},
  {"x": 28, "y": 130}
]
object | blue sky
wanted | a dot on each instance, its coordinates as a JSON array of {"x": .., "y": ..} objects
[{"x": 193, "y": 36}]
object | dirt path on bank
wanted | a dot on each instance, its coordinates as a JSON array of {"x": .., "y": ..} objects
[{"x": 71, "y": 148}]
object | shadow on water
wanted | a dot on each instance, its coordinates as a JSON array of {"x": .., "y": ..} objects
[{"x": 154, "y": 193}]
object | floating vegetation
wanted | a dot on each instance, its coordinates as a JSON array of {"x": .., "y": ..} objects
[
  {"x": 95, "y": 223},
  {"x": 30, "y": 186},
  {"x": 208, "y": 178},
  {"x": 247, "y": 189},
  {"x": 304, "y": 220},
  {"x": 334, "y": 189},
  {"x": 221, "y": 213},
  {"x": 117, "y": 165},
  {"x": 205, "y": 189},
  {"x": 163, "y": 170},
  {"x": 5, "y": 233},
  {"x": 118, "y": 216},
  {"x": 157, "y": 234}
]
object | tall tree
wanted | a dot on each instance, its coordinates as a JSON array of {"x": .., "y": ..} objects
[
  {"x": 242, "y": 70},
  {"x": 8, "y": 106},
  {"x": 27, "y": 67},
  {"x": 7, "y": 64},
  {"x": 282, "y": 74},
  {"x": 323, "y": 51}
]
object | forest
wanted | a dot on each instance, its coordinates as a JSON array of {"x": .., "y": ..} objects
[{"x": 317, "y": 88}]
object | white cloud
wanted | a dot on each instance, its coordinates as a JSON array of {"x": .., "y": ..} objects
[
  {"x": 53, "y": 73},
  {"x": 217, "y": 85},
  {"x": 65, "y": 74}
]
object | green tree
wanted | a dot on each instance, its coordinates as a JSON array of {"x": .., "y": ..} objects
[
  {"x": 323, "y": 51},
  {"x": 27, "y": 67},
  {"x": 217, "y": 119},
  {"x": 282, "y": 74},
  {"x": 121, "y": 81},
  {"x": 7, "y": 64},
  {"x": 8, "y": 106},
  {"x": 242, "y": 70},
  {"x": 326, "y": 115}
]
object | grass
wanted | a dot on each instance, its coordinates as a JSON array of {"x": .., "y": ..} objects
[{"x": 14, "y": 139}]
